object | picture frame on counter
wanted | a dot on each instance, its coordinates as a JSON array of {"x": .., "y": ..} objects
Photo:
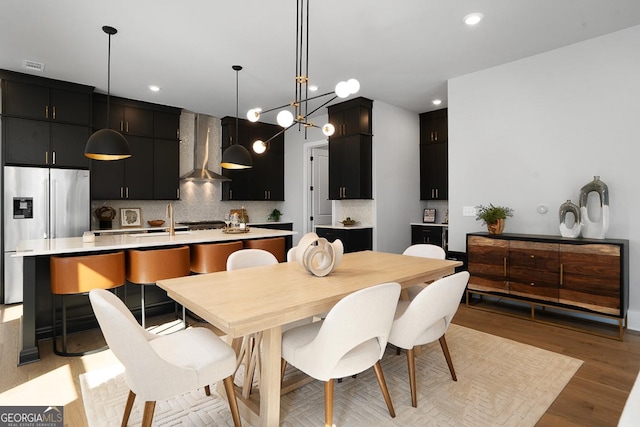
[
  {"x": 429, "y": 216},
  {"x": 130, "y": 217}
]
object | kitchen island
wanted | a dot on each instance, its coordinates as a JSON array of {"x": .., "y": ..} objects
[{"x": 36, "y": 315}]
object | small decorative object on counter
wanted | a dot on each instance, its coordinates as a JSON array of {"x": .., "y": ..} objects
[
  {"x": 493, "y": 216},
  {"x": 317, "y": 255},
  {"x": 274, "y": 215},
  {"x": 569, "y": 227},
  {"x": 88, "y": 237},
  {"x": 236, "y": 222},
  {"x": 594, "y": 221},
  {"x": 155, "y": 222},
  {"x": 105, "y": 215},
  {"x": 348, "y": 221}
]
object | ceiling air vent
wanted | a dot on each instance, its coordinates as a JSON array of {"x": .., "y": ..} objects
[{"x": 33, "y": 65}]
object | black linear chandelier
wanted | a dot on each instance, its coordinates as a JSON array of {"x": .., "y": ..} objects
[{"x": 298, "y": 111}]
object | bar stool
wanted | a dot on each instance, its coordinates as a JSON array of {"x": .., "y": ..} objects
[
  {"x": 275, "y": 245},
  {"x": 77, "y": 275},
  {"x": 212, "y": 257},
  {"x": 147, "y": 266}
]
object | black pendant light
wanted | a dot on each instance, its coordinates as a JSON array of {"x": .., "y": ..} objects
[
  {"x": 236, "y": 156},
  {"x": 107, "y": 144}
]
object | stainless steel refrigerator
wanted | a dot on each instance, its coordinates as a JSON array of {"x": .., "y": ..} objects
[{"x": 40, "y": 203}]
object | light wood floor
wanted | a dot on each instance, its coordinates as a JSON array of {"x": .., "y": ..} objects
[{"x": 595, "y": 396}]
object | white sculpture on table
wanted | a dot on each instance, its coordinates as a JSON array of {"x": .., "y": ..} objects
[{"x": 317, "y": 255}]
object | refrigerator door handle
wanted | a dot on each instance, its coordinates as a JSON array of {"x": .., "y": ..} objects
[{"x": 52, "y": 210}]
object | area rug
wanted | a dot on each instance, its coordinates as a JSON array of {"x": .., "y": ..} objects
[{"x": 500, "y": 383}]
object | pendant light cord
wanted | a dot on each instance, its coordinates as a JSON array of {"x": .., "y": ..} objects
[
  {"x": 109, "y": 85},
  {"x": 237, "y": 73}
]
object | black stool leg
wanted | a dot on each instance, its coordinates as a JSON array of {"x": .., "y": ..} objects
[{"x": 142, "y": 304}]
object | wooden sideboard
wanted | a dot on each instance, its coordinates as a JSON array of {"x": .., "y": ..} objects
[{"x": 585, "y": 275}]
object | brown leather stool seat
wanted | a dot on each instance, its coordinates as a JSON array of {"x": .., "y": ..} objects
[
  {"x": 147, "y": 266},
  {"x": 275, "y": 245},
  {"x": 74, "y": 275},
  {"x": 212, "y": 257}
]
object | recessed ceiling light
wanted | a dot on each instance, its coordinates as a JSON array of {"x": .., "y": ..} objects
[
  {"x": 473, "y": 18},
  {"x": 437, "y": 101},
  {"x": 154, "y": 88},
  {"x": 313, "y": 88}
]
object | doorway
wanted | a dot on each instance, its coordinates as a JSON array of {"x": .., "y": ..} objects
[{"x": 319, "y": 208}]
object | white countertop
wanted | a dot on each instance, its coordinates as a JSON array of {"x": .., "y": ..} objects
[
  {"x": 127, "y": 241},
  {"x": 429, "y": 224},
  {"x": 347, "y": 227}
]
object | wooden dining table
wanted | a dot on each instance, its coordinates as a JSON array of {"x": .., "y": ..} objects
[{"x": 263, "y": 299}]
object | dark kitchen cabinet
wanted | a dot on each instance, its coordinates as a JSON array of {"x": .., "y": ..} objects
[
  {"x": 265, "y": 180},
  {"x": 152, "y": 171},
  {"x": 42, "y": 102},
  {"x": 45, "y": 122},
  {"x": 130, "y": 178},
  {"x": 429, "y": 234},
  {"x": 434, "y": 154},
  {"x": 350, "y": 150},
  {"x": 353, "y": 239},
  {"x": 125, "y": 116}
]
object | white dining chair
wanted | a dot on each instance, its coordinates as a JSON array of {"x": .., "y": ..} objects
[
  {"x": 158, "y": 367},
  {"x": 351, "y": 339},
  {"x": 291, "y": 254},
  {"x": 424, "y": 250},
  {"x": 250, "y": 347},
  {"x": 426, "y": 319}
]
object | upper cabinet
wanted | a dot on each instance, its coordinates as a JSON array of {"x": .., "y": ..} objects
[
  {"x": 434, "y": 149},
  {"x": 44, "y": 122},
  {"x": 350, "y": 150},
  {"x": 152, "y": 171},
  {"x": 265, "y": 180}
]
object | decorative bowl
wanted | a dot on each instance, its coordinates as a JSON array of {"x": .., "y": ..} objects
[
  {"x": 348, "y": 222},
  {"x": 155, "y": 222}
]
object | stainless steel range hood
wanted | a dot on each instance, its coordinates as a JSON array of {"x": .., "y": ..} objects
[{"x": 200, "y": 170}]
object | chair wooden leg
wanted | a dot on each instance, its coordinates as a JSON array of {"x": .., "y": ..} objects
[
  {"x": 445, "y": 350},
  {"x": 283, "y": 368},
  {"x": 411, "y": 364},
  {"x": 328, "y": 403},
  {"x": 127, "y": 408},
  {"x": 233, "y": 403},
  {"x": 147, "y": 414},
  {"x": 207, "y": 390},
  {"x": 383, "y": 386}
]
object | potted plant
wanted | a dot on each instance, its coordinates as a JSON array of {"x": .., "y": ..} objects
[
  {"x": 493, "y": 216},
  {"x": 274, "y": 215}
]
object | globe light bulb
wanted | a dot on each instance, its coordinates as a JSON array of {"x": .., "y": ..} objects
[
  {"x": 259, "y": 147},
  {"x": 285, "y": 118},
  {"x": 342, "y": 90},
  {"x": 328, "y": 129},
  {"x": 253, "y": 115},
  {"x": 354, "y": 86}
]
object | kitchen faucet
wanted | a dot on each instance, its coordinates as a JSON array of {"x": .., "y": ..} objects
[{"x": 172, "y": 229}]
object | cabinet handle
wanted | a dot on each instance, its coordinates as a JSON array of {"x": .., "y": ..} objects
[
  {"x": 505, "y": 266},
  {"x": 127, "y": 192},
  {"x": 177, "y": 133},
  {"x": 561, "y": 273},
  {"x": 121, "y": 126},
  {"x": 178, "y": 193},
  {"x": 121, "y": 193},
  {"x": 54, "y": 112},
  {"x": 431, "y": 137},
  {"x": 437, "y": 194},
  {"x": 436, "y": 132},
  {"x": 230, "y": 194},
  {"x": 127, "y": 127},
  {"x": 46, "y": 111},
  {"x": 46, "y": 157},
  {"x": 53, "y": 154}
]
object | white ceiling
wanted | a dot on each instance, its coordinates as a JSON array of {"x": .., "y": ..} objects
[{"x": 402, "y": 52}]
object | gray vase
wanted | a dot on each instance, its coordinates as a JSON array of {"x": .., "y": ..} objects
[
  {"x": 594, "y": 219},
  {"x": 567, "y": 228}
]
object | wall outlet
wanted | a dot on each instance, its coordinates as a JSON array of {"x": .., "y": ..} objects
[{"x": 468, "y": 211}]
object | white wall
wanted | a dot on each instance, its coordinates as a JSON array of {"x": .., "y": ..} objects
[
  {"x": 396, "y": 187},
  {"x": 534, "y": 131}
]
